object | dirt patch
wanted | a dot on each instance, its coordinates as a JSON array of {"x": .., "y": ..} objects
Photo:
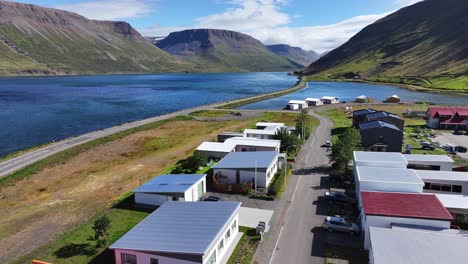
[{"x": 36, "y": 209}]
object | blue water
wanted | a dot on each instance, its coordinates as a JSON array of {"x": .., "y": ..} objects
[
  {"x": 349, "y": 91},
  {"x": 37, "y": 110}
]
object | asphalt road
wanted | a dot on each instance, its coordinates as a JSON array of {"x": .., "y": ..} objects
[{"x": 299, "y": 240}]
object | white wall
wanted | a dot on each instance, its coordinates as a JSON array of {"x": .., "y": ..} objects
[
  {"x": 227, "y": 242},
  {"x": 383, "y": 221},
  {"x": 151, "y": 199},
  {"x": 444, "y": 165},
  {"x": 464, "y": 185},
  {"x": 229, "y": 176},
  {"x": 191, "y": 195},
  {"x": 383, "y": 163},
  {"x": 144, "y": 258},
  {"x": 390, "y": 187}
]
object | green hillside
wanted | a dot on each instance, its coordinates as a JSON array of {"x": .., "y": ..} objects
[{"x": 424, "y": 44}]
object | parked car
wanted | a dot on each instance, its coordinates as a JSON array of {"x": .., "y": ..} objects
[
  {"x": 213, "y": 199},
  {"x": 427, "y": 147},
  {"x": 458, "y": 132},
  {"x": 328, "y": 143},
  {"x": 461, "y": 149},
  {"x": 339, "y": 224},
  {"x": 338, "y": 198}
]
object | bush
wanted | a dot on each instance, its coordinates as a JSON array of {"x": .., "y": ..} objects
[{"x": 195, "y": 161}]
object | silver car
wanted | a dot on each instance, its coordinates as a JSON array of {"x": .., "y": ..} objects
[{"x": 335, "y": 223}]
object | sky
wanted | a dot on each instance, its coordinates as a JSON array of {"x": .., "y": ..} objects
[{"x": 319, "y": 25}]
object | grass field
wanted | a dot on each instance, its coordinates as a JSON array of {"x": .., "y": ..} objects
[
  {"x": 245, "y": 249},
  {"x": 69, "y": 190}
]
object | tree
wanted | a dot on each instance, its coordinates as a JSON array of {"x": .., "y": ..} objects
[
  {"x": 195, "y": 161},
  {"x": 303, "y": 125},
  {"x": 101, "y": 230},
  {"x": 287, "y": 139},
  {"x": 342, "y": 151}
]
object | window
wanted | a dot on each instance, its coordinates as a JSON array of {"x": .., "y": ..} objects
[
  {"x": 212, "y": 258},
  {"x": 457, "y": 188},
  {"x": 175, "y": 198},
  {"x": 128, "y": 258},
  {"x": 228, "y": 234},
  {"x": 427, "y": 186},
  {"x": 234, "y": 225},
  {"x": 435, "y": 187},
  {"x": 154, "y": 261},
  {"x": 446, "y": 188},
  {"x": 220, "y": 245}
]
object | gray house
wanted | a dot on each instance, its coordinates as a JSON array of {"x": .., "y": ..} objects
[
  {"x": 386, "y": 117},
  {"x": 381, "y": 136},
  {"x": 359, "y": 116}
]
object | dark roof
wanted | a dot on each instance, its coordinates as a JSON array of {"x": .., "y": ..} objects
[
  {"x": 363, "y": 111},
  {"x": 179, "y": 227},
  {"x": 380, "y": 114},
  {"x": 377, "y": 124},
  {"x": 247, "y": 160},
  {"x": 409, "y": 205}
]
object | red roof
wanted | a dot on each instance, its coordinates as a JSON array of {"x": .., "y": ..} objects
[
  {"x": 410, "y": 205},
  {"x": 450, "y": 111}
]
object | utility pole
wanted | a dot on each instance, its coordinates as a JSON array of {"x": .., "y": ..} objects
[{"x": 255, "y": 175}]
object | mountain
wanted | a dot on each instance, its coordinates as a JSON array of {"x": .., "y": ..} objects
[
  {"x": 38, "y": 40},
  {"x": 294, "y": 54},
  {"x": 223, "y": 50},
  {"x": 425, "y": 44}
]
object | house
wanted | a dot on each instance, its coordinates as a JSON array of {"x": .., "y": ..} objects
[
  {"x": 264, "y": 130},
  {"x": 457, "y": 205},
  {"x": 447, "y": 117},
  {"x": 225, "y": 135},
  {"x": 379, "y": 159},
  {"x": 359, "y": 116},
  {"x": 330, "y": 100},
  {"x": 393, "y": 99},
  {"x": 297, "y": 104},
  {"x": 217, "y": 150},
  {"x": 364, "y": 99},
  {"x": 265, "y": 125},
  {"x": 171, "y": 187},
  {"x": 386, "y": 180},
  {"x": 386, "y": 117},
  {"x": 385, "y": 209},
  {"x": 314, "y": 101},
  {"x": 429, "y": 162},
  {"x": 246, "y": 167},
  {"x": 412, "y": 245},
  {"x": 381, "y": 136},
  {"x": 451, "y": 182},
  {"x": 182, "y": 233}
]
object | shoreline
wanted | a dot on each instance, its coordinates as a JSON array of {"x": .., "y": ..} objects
[{"x": 27, "y": 157}]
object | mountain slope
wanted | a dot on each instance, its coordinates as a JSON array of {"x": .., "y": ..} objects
[
  {"x": 294, "y": 54},
  {"x": 423, "y": 44},
  {"x": 223, "y": 50},
  {"x": 41, "y": 40}
]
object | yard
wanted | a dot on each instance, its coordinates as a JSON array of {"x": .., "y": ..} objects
[{"x": 68, "y": 193}]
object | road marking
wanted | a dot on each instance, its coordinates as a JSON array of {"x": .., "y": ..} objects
[{"x": 276, "y": 245}]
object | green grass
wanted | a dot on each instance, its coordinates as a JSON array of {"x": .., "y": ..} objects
[
  {"x": 209, "y": 113},
  {"x": 63, "y": 156},
  {"x": 74, "y": 247},
  {"x": 245, "y": 249},
  {"x": 340, "y": 121},
  {"x": 279, "y": 182}
]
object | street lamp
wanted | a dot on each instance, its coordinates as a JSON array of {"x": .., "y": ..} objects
[{"x": 286, "y": 164}]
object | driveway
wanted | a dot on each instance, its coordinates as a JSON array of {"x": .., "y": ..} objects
[
  {"x": 456, "y": 140},
  {"x": 245, "y": 200},
  {"x": 250, "y": 217}
]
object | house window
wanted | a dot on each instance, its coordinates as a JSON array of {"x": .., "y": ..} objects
[
  {"x": 228, "y": 234},
  {"x": 457, "y": 188},
  {"x": 427, "y": 186},
  {"x": 154, "y": 261},
  {"x": 446, "y": 188},
  {"x": 175, "y": 198},
  {"x": 212, "y": 258},
  {"x": 128, "y": 258},
  {"x": 234, "y": 225},
  {"x": 435, "y": 187},
  {"x": 220, "y": 245}
]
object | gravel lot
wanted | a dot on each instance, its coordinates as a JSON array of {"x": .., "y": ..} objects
[{"x": 456, "y": 140}]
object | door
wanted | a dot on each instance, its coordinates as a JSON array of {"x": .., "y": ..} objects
[
  {"x": 237, "y": 176},
  {"x": 200, "y": 189}
]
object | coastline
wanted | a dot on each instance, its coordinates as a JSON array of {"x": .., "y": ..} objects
[{"x": 23, "y": 158}]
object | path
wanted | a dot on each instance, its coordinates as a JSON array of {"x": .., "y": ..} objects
[{"x": 290, "y": 239}]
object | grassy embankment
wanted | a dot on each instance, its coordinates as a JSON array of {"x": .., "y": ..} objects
[
  {"x": 153, "y": 150},
  {"x": 415, "y": 128}
]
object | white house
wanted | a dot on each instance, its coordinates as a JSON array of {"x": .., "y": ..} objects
[
  {"x": 429, "y": 162},
  {"x": 240, "y": 167},
  {"x": 330, "y": 100},
  {"x": 417, "y": 246},
  {"x": 218, "y": 150},
  {"x": 457, "y": 205},
  {"x": 215, "y": 150},
  {"x": 263, "y": 130},
  {"x": 297, "y": 104},
  {"x": 181, "y": 233},
  {"x": 386, "y": 180},
  {"x": 263, "y": 125},
  {"x": 171, "y": 187},
  {"x": 314, "y": 101},
  {"x": 384, "y": 209},
  {"x": 451, "y": 182}
]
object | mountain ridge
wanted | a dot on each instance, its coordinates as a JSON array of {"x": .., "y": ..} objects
[{"x": 294, "y": 54}]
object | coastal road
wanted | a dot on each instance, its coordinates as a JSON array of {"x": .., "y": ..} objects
[
  {"x": 296, "y": 243},
  {"x": 9, "y": 166}
]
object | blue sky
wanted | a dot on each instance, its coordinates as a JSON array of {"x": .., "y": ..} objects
[{"x": 319, "y": 25}]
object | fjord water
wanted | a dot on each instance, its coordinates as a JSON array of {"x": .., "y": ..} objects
[
  {"x": 37, "y": 110},
  {"x": 347, "y": 91}
]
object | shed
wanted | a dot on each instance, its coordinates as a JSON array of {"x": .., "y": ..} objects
[
  {"x": 297, "y": 104},
  {"x": 364, "y": 99},
  {"x": 171, "y": 187},
  {"x": 330, "y": 100},
  {"x": 393, "y": 99},
  {"x": 314, "y": 101},
  {"x": 181, "y": 233}
]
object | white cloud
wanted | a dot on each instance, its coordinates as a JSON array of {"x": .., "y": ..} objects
[
  {"x": 403, "y": 3},
  {"x": 110, "y": 9},
  {"x": 264, "y": 20}
]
